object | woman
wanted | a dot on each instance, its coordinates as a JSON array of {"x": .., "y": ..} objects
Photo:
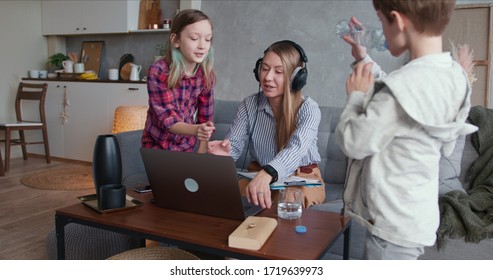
[
  {"x": 278, "y": 126},
  {"x": 181, "y": 86}
]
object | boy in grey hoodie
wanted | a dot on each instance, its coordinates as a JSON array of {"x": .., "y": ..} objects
[{"x": 394, "y": 128}]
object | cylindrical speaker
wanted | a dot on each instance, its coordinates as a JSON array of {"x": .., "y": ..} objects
[{"x": 106, "y": 162}]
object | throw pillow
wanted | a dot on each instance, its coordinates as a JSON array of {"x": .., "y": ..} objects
[{"x": 450, "y": 169}]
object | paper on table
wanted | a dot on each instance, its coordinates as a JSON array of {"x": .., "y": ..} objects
[{"x": 289, "y": 181}]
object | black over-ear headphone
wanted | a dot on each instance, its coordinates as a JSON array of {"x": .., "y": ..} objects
[{"x": 300, "y": 74}]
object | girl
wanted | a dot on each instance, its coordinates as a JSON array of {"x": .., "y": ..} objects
[
  {"x": 180, "y": 86},
  {"x": 278, "y": 126}
]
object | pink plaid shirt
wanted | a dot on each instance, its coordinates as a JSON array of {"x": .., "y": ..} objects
[{"x": 169, "y": 106}]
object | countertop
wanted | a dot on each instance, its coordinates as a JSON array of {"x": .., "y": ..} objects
[{"x": 59, "y": 79}]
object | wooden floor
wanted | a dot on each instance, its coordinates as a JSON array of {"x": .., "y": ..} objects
[{"x": 28, "y": 214}]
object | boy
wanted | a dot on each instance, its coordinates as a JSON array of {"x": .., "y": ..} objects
[{"x": 395, "y": 129}]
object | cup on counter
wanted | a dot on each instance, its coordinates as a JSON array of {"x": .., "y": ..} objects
[
  {"x": 68, "y": 66},
  {"x": 289, "y": 203},
  {"x": 34, "y": 74},
  {"x": 79, "y": 68},
  {"x": 43, "y": 74},
  {"x": 113, "y": 74}
]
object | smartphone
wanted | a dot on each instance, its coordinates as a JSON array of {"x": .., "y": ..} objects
[{"x": 143, "y": 189}]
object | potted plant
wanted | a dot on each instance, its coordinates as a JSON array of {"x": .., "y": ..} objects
[
  {"x": 56, "y": 60},
  {"x": 160, "y": 49}
]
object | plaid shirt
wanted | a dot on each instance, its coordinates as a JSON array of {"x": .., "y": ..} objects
[{"x": 170, "y": 106}]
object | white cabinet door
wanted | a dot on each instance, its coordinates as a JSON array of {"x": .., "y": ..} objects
[
  {"x": 89, "y": 17},
  {"x": 61, "y": 17},
  {"x": 53, "y": 110},
  {"x": 86, "y": 119},
  {"x": 125, "y": 95},
  {"x": 104, "y": 17}
]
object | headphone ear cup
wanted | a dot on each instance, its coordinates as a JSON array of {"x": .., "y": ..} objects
[
  {"x": 298, "y": 79},
  {"x": 256, "y": 70}
]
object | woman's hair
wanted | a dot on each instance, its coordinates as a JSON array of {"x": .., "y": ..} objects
[
  {"x": 287, "y": 118},
  {"x": 174, "y": 56},
  {"x": 428, "y": 16}
]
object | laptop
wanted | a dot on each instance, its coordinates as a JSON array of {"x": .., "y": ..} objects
[{"x": 199, "y": 183}]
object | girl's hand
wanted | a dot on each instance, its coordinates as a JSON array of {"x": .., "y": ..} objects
[
  {"x": 205, "y": 130},
  {"x": 258, "y": 190},
  {"x": 359, "y": 52},
  {"x": 220, "y": 148},
  {"x": 361, "y": 79}
]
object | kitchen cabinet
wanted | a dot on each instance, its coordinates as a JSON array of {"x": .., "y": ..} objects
[
  {"x": 89, "y": 114},
  {"x": 89, "y": 17}
]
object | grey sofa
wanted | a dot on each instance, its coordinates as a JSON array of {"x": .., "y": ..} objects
[{"x": 333, "y": 166}]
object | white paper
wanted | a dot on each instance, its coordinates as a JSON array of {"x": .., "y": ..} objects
[{"x": 289, "y": 181}]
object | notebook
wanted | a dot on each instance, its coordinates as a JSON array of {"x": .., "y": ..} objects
[{"x": 199, "y": 183}]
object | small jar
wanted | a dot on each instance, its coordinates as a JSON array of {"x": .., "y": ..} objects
[{"x": 166, "y": 23}]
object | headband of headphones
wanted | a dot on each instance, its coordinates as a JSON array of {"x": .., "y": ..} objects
[{"x": 300, "y": 74}]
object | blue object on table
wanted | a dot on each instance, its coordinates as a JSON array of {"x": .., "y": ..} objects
[{"x": 300, "y": 229}]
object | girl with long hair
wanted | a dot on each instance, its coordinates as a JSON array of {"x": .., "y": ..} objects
[
  {"x": 181, "y": 87},
  {"x": 278, "y": 126}
]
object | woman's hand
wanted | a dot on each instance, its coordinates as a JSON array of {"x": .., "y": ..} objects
[
  {"x": 359, "y": 52},
  {"x": 220, "y": 148},
  {"x": 258, "y": 190},
  {"x": 361, "y": 79},
  {"x": 205, "y": 130}
]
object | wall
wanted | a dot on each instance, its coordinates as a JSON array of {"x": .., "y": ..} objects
[
  {"x": 244, "y": 29},
  {"x": 22, "y": 48}
]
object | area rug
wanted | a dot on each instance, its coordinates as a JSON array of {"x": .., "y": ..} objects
[{"x": 70, "y": 177}]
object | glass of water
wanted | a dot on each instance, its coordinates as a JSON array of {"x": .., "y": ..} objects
[{"x": 289, "y": 203}]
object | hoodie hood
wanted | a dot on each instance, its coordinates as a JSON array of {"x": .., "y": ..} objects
[{"x": 434, "y": 106}]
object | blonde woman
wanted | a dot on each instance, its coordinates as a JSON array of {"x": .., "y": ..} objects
[
  {"x": 181, "y": 87},
  {"x": 278, "y": 126}
]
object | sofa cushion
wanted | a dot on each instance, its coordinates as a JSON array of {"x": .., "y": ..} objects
[
  {"x": 334, "y": 162},
  {"x": 224, "y": 113},
  {"x": 450, "y": 169},
  {"x": 133, "y": 171}
]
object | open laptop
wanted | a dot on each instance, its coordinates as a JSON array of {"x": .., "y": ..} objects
[{"x": 199, "y": 183}]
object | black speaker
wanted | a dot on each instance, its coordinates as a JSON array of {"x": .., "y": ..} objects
[{"x": 300, "y": 74}]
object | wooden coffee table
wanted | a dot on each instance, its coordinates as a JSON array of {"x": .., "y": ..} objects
[{"x": 210, "y": 234}]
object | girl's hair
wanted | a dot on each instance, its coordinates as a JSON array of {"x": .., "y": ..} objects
[
  {"x": 287, "y": 118},
  {"x": 174, "y": 56},
  {"x": 428, "y": 16}
]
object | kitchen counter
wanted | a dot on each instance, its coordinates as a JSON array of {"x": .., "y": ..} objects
[{"x": 71, "y": 79}]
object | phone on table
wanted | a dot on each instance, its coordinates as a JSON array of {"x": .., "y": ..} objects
[{"x": 143, "y": 189}]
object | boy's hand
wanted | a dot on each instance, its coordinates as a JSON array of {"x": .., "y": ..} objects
[
  {"x": 358, "y": 52},
  {"x": 361, "y": 79}
]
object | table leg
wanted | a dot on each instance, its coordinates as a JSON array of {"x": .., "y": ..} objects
[
  {"x": 60, "y": 223},
  {"x": 347, "y": 239}
]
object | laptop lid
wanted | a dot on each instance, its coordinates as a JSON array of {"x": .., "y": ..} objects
[{"x": 199, "y": 183}]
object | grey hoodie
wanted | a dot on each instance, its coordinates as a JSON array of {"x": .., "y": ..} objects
[{"x": 394, "y": 136}]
